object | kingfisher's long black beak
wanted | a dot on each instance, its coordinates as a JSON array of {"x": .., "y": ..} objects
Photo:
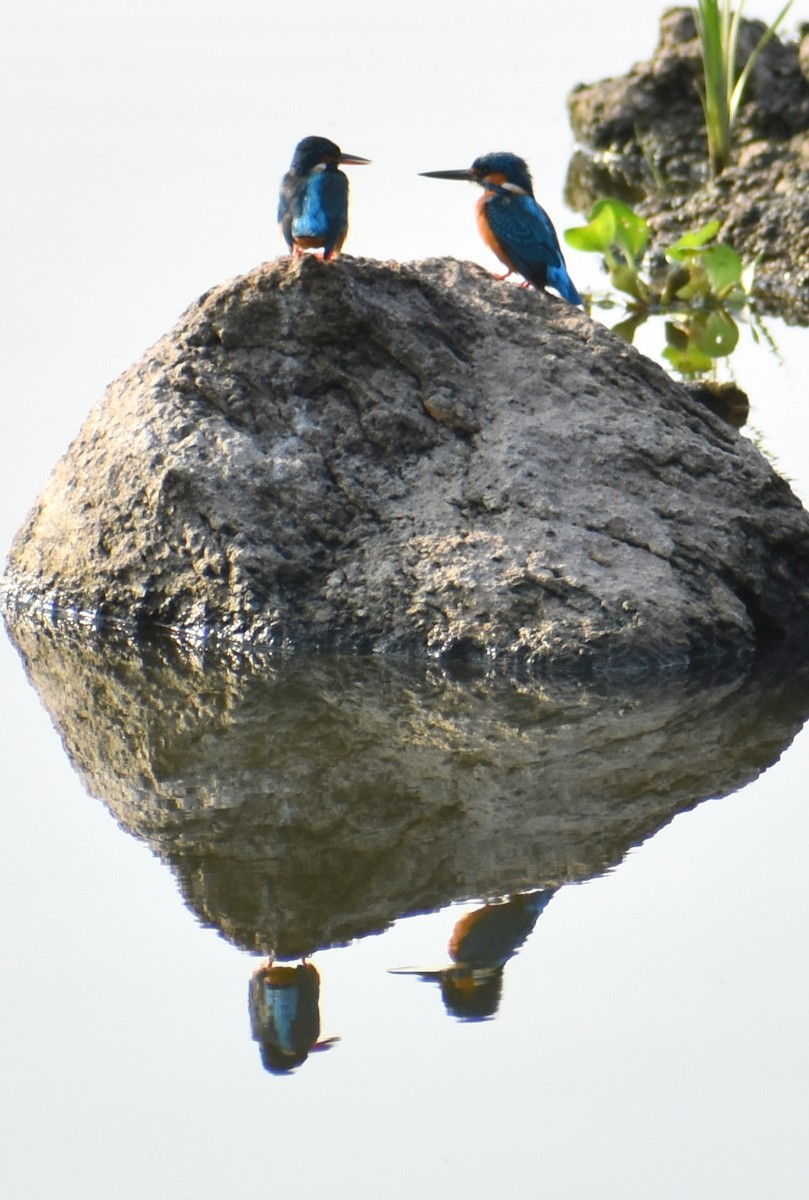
[
  {"x": 466, "y": 174},
  {"x": 354, "y": 159}
]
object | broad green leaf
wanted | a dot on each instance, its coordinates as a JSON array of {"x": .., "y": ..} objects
[
  {"x": 597, "y": 235},
  {"x": 612, "y": 224},
  {"x": 692, "y": 241},
  {"x": 631, "y": 231},
  {"x": 688, "y": 361},
  {"x": 698, "y": 285},
  {"x": 724, "y": 268},
  {"x": 715, "y": 333}
]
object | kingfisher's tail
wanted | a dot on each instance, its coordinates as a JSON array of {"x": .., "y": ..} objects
[{"x": 558, "y": 278}]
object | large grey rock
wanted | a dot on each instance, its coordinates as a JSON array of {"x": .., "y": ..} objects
[{"x": 418, "y": 459}]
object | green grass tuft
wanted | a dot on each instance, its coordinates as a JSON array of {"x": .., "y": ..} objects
[{"x": 724, "y": 81}]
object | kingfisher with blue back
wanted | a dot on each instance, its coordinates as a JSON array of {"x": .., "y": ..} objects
[
  {"x": 313, "y": 204},
  {"x": 513, "y": 225}
]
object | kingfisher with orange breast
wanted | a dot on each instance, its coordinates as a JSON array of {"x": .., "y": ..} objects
[
  {"x": 482, "y": 943},
  {"x": 313, "y": 204},
  {"x": 513, "y": 225}
]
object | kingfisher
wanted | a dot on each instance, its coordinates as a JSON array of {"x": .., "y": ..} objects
[
  {"x": 285, "y": 1015},
  {"x": 513, "y": 225},
  {"x": 313, "y": 204},
  {"x": 481, "y": 944}
]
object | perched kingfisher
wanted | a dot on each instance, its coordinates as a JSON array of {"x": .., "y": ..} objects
[
  {"x": 313, "y": 204},
  {"x": 513, "y": 225}
]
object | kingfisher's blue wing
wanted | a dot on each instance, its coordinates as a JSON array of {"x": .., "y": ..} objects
[
  {"x": 524, "y": 230},
  {"x": 321, "y": 209},
  {"x": 526, "y": 234}
]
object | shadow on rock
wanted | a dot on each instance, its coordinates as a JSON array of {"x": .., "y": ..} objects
[{"x": 302, "y": 801}]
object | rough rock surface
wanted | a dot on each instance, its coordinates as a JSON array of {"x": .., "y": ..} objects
[
  {"x": 418, "y": 459},
  {"x": 642, "y": 138},
  {"x": 305, "y": 800}
]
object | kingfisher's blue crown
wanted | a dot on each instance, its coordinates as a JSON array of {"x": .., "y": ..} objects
[
  {"x": 311, "y": 151},
  {"x": 501, "y": 162}
]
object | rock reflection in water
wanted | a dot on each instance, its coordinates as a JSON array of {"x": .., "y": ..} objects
[
  {"x": 303, "y": 801},
  {"x": 482, "y": 942}
]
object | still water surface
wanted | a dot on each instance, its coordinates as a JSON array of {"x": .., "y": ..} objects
[
  {"x": 650, "y": 1038},
  {"x": 650, "y": 1034}
]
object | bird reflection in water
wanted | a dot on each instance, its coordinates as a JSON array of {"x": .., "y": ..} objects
[
  {"x": 285, "y": 1015},
  {"x": 481, "y": 944}
]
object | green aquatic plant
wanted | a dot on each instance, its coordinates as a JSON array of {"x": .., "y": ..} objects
[
  {"x": 620, "y": 236},
  {"x": 699, "y": 285},
  {"x": 724, "y": 81}
]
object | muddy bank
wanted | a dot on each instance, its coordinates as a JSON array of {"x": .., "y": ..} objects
[{"x": 642, "y": 138}]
